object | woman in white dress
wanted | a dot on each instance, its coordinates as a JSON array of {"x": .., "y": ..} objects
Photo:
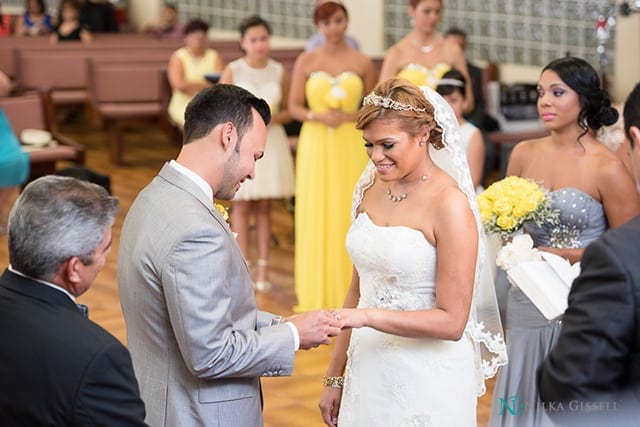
[
  {"x": 425, "y": 325},
  {"x": 267, "y": 79}
]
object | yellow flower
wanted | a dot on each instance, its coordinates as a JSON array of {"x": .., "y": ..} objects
[
  {"x": 485, "y": 208},
  {"x": 506, "y": 222},
  {"x": 502, "y": 206},
  {"x": 222, "y": 210},
  {"x": 505, "y": 206}
]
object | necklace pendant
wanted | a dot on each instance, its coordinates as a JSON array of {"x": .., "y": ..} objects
[
  {"x": 396, "y": 199},
  {"x": 426, "y": 49}
]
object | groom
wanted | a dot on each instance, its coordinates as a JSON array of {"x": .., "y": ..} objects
[
  {"x": 592, "y": 375},
  {"x": 198, "y": 343}
]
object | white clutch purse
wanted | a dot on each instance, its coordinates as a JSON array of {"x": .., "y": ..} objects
[{"x": 35, "y": 137}]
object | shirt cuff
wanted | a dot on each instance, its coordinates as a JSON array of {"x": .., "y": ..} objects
[{"x": 296, "y": 336}]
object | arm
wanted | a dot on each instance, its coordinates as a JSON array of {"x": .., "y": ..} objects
[
  {"x": 109, "y": 391},
  {"x": 216, "y": 340},
  {"x": 454, "y": 279},
  {"x": 618, "y": 191},
  {"x": 475, "y": 157},
  {"x": 518, "y": 158},
  {"x": 85, "y": 36},
  {"x": 5, "y": 84},
  {"x": 20, "y": 29},
  {"x": 175, "y": 74},
  {"x": 330, "y": 399},
  {"x": 590, "y": 356},
  {"x": 296, "y": 101},
  {"x": 283, "y": 116}
]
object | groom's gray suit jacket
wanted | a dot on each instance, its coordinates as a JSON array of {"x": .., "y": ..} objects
[{"x": 198, "y": 343}]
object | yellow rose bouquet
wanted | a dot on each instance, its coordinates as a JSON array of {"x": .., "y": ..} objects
[{"x": 506, "y": 205}]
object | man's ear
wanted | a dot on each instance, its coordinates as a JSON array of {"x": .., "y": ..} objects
[
  {"x": 229, "y": 135},
  {"x": 73, "y": 278}
]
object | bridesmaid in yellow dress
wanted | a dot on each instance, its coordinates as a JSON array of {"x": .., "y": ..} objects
[
  {"x": 188, "y": 67},
  {"x": 327, "y": 85},
  {"x": 423, "y": 55}
]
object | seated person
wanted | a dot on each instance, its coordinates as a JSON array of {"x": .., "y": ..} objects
[
  {"x": 14, "y": 163},
  {"x": 167, "y": 27},
  {"x": 70, "y": 27},
  {"x": 35, "y": 21},
  {"x": 188, "y": 68}
]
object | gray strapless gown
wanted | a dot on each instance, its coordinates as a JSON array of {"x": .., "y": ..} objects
[{"x": 529, "y": 335}]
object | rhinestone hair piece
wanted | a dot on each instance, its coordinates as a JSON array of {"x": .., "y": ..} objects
[
  {"x": 450, "y": 82},
  {"x": 384, "y": 102}
]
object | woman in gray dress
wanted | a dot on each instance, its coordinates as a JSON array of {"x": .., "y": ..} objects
[{"x": 590, "y": 187}]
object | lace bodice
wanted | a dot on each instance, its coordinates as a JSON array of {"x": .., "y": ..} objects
[
  {"x": 582, "y": 220},
  {"x": 396, "y": 265}
]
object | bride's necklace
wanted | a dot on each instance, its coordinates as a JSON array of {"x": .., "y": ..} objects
[{"x": 401, "y": 197}]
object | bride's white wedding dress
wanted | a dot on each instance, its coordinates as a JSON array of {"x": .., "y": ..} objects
[{"x": 392, "y": 380}]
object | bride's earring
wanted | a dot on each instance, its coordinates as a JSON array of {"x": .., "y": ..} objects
[{"x": 422, "y": 142}]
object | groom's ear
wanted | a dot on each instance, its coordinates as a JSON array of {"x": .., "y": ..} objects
[{"x": 229, "y": 136}]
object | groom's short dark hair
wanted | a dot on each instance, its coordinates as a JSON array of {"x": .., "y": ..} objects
[{"x": 222, "y": 103}]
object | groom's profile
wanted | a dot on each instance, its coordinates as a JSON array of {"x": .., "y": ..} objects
[{"x": 197, "y": 340}]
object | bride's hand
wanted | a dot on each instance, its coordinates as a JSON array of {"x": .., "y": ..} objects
[
  {"x": 352, "y": 317},
  {"x": 330, "y": 405}
]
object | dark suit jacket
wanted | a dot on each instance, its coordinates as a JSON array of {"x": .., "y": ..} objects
[
  {"x": 597, "y": 357},
  {"x": 57, "y": 368}
]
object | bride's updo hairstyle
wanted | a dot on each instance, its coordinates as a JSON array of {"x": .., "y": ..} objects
[
  {"x": 596, "y": 110},
  {"x": 400, "y": 101}
]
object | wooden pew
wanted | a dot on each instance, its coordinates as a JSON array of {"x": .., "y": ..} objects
[
  {"x": 122, "y": 93},
  {"x": 28, "y": 111}
]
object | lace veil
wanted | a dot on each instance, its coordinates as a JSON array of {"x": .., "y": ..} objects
[{"x": 483, "y": 326}]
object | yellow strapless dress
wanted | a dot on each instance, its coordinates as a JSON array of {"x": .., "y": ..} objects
[
  {"x": 423, "y": 76},
  {"x": 329, "y": 162}
]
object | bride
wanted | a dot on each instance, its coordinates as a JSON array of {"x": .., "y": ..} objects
[{"x": 422, "y": 327}]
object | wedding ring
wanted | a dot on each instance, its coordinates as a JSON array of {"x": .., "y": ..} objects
[{"x": 337, "y": 316}]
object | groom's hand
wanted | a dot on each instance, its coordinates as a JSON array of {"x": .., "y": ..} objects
[{"x": 315, "y": 327}]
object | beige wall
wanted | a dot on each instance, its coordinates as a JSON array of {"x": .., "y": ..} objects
[
  {"x": 143, "y": 11},
  {"x": 627, "y": 64}
]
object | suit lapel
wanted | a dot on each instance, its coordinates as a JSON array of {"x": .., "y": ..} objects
[{"x": 174, "y": 177}]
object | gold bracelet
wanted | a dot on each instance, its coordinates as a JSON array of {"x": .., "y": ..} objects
[{"x": 335, "y": 382}]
